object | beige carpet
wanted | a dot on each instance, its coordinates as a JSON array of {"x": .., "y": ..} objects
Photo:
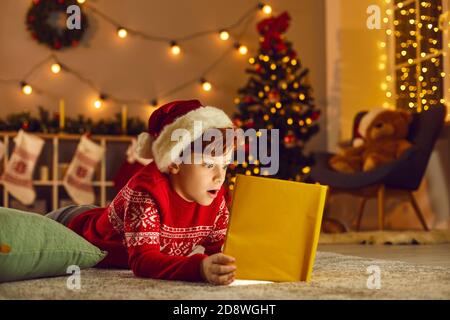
[
  {"x": 387, "y": 237},
  {"x": 335, "y": 277}
]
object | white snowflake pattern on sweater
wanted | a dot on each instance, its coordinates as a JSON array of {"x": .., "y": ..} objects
[{"x": 141, "y": 225}]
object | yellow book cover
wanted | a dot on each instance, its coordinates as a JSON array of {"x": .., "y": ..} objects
[{"x": 274, "y": 228}]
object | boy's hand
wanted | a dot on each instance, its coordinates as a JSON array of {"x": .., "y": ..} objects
[{"x": 218, "y": 269}]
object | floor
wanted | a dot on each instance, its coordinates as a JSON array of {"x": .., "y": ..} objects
[
  {"x": 335, "y": 276},
  {"x": 431, "y": 255}
]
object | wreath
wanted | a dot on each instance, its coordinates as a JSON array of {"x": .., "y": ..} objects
[{"x": 46, "y": 20}]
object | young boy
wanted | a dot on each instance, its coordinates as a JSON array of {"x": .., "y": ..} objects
[{"x": 170, "y": 219}]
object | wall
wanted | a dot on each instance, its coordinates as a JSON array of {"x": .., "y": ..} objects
[
  {"x": 134, "y": 68},
  {"x": 361, "y": 76},
  {"x": 353, "y": 59}
]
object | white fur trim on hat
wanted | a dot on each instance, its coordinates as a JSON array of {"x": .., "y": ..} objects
[
  {"x": 132, "y": 152},
  {"x": 144, "y": 145},
  {"x": 162, "y": 148},
  {"x": 367, "y": 120}
]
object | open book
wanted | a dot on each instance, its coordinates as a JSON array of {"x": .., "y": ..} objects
[{"x": 274, "y": 228}]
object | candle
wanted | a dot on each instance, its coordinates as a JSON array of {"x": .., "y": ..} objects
[
  {"x": 124, "y": 119},
  {"x": 44, "y": 173},
  {"x": 61, "y": 114}
]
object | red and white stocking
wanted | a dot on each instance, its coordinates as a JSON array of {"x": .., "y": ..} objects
[
  {"x": 18, "y": 175},
  {"x": 78, "y": 178}
]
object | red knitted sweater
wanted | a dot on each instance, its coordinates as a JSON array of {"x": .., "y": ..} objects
[{"x": 151, "y": 229}]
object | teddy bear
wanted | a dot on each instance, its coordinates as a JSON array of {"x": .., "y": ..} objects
[{"x": 383, "y": 140}]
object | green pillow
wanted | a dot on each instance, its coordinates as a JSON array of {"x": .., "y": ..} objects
[{"x": 33, "y": 246}]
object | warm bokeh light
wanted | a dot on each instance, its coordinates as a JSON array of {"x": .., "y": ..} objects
[
  {"x": 98, "y": 103},
  {"x": 243, "y": 49},
  {"x": 224, "y": 35},
  {"x": 206, "y": 85},
  {"x": 175, "y": 49},
  {"x": 306, "y": 170},
  {"x": 27, "y": 89},
  {"x": 267, "y": 9},
  {"x": 122, "y": 33},
  {"x": 56, "y": 68}
]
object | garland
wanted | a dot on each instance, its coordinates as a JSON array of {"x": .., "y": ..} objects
[
  {"x": 55, "y": 37},
  {"x": 80, "y": 125}
]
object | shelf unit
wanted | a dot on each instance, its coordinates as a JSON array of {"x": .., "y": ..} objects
[{"x": 55, "y": 181}]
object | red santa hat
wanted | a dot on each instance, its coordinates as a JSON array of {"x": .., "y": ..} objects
[
  {"x": 364, "y": 124},
  {"x": 157, "y": 143},
  {"x": 367, "y": 119}
]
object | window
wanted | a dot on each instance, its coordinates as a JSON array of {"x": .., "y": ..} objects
[{"x": 419, "y": 41}]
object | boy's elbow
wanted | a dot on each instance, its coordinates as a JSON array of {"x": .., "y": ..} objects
[
  {"x": 139, "y": 272},
  {"x": 136, "y": 266}
]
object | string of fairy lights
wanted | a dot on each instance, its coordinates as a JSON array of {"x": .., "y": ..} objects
[
  {"x": 175, "y": 47},
  {"x": 416, "y": 77}
]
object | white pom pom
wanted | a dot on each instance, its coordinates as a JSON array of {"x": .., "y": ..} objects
[
  {"x": 358, "y": 142},
  {"x": 144, "y": 146}
]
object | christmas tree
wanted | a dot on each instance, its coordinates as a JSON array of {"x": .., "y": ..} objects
[{"x": 277, "y": 96}]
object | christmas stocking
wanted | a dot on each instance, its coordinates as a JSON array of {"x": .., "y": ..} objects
[
  {"x": 77, "y": 180},
  {"x": 19, "y": 170}
]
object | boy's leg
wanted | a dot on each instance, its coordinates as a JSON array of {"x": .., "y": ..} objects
[{"x": 66, "y": 214}]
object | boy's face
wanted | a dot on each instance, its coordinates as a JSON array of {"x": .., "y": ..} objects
[{"x": 199, "y": 182}]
